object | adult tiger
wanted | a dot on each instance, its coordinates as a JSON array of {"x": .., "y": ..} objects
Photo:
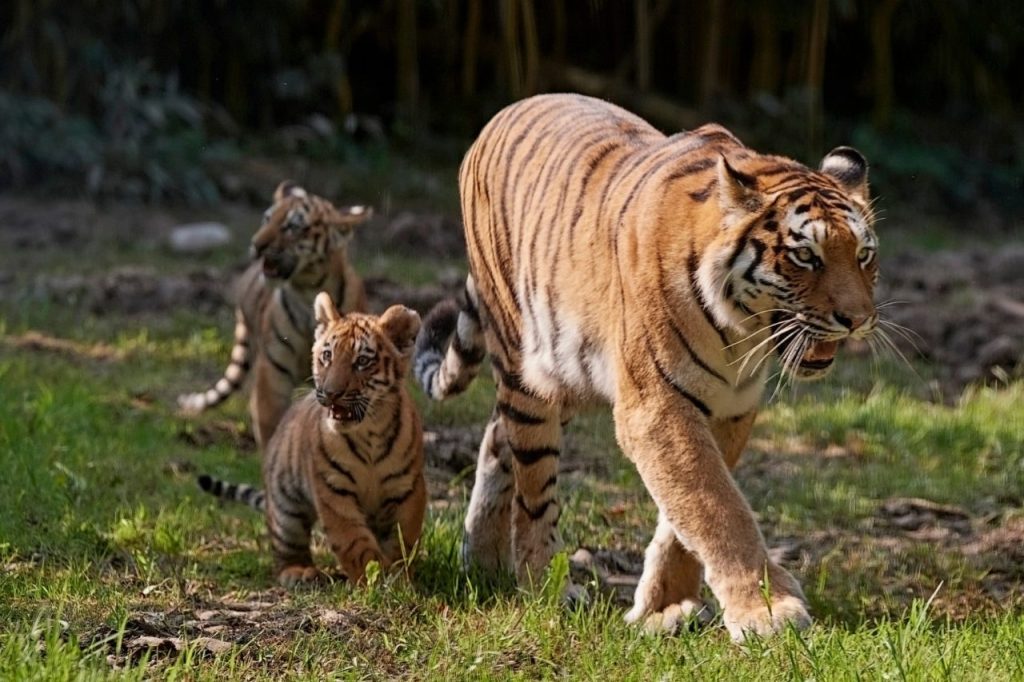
[
  {"x": 610, "y": 262},
  {"x": 349, "y": 454},
  {"x": 299, "y": 250}
]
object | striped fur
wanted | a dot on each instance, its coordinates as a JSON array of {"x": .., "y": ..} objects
[
  {"x": 350, "y": 453},
  {"x": 611, "y": 263},
  {"x": 299, "y": 250}
]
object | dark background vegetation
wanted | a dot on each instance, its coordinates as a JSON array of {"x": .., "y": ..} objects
[{"x": 142, "y": 99}]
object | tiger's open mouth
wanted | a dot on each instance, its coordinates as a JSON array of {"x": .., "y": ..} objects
[{"x": 819, "y": 356}]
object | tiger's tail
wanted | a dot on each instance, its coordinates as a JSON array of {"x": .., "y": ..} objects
[
  {"x": 450, "y": 346},
  {"x": 234, "y": 375},
  {"x": 233, "y": 492}
]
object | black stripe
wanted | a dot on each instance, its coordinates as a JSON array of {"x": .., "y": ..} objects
[
  {"x": 518, "y": 415},
  {"x": 691, "y": 168},
  {"x": 397, "y": 499},
  {"x": 469, "y": 356},
  {"x": 338, "y": 490},
  {"x": 668, "y": 379},
  {"x": 330, "y": 460},
  {"x": 680, "y": 337},
  {"x": 352, "y": 447},
  {"x": 550, "y": 483},
  {"x": 702, "y": 195},
  {"x": 692, "y": 265},
  {"x": 398, "y": 474},
  {"x": 276, "y": 364},
  {"x": 535, "y": 514},
  {"x": 530, "y": 456},
  {"x": 759, "y": 249},
  {"x": 281, "y": 338},
  {"x": 389, "y": 443},
  {"x": 280, "y": 539},
  {"x": 286, "y": 304}
]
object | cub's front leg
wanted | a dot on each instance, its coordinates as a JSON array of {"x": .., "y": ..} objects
[{"x": 671, "y": 442}]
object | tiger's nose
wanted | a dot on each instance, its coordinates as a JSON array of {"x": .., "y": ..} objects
[{"x": 852, "y": 322}]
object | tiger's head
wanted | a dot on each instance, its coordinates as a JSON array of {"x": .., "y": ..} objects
[
  {"x": 360, "y": 361},
  {"x": 300, "y": 232},
  {"x": 797, "y": 253}
]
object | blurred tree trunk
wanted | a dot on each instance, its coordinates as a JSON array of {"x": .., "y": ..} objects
[
  {"x": 881, "y": 51},
  {"x": 531, "y": 48},
  {"x": 407, "y": 64},
  {"x": 510, "y": 48},
  {"x": 816, "y": 43},
  {"x": 332, "y": 44},
  {"x": 712, "y": 47},
  {"x": 522, "y": 64},
  {"x": 470, "y": 43},
  {"x": 560, "y": 30},
  {"x": 764, "y": 67},
  {"x": 643, "y": 44}
]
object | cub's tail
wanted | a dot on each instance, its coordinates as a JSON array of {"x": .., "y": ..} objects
[
  {"x": 234, "y": 375},
  {"x": 233, "y": 492},
  {"x": 450, "y": 346}
]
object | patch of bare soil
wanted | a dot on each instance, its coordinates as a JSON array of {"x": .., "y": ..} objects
[
  {"x": 219, "y": 432},
  {"x": 133, "y": 290},
  {"x": 224, "y": 625},
  {"x": 964, "y": 311},
  {"x": 37, "y": 341},
  {"x": 384, "y": 292}
]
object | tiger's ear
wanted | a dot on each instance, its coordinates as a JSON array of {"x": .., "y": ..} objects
[
  {"x": 324, "y": 311},
  {"x": 401, "y": 325},
  {"x": 849, "y": 168},
  {"x": 288, "y": 189},
  {"x": 737, "y": 191}
]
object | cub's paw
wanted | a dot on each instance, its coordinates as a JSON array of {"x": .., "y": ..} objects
[
  {"x": 296, "y": 576},
  {"x": 686, "y": 615},
  {"x": 767, "y": 619}
]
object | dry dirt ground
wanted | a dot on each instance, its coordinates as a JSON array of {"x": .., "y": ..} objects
[{"x": 963, "y": 311}]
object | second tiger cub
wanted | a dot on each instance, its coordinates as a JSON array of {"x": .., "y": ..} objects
[{"x": 349, "y": 454}]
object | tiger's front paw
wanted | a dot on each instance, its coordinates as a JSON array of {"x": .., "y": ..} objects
[
  {"x": 296, "y": 575},
  {"x": 767, "y": 618}
]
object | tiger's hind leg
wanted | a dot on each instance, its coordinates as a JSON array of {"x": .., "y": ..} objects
[
  {"x": 487, "y": 542},
  {"x": 668, "y": 594},
  {"x": 534, "y": 433}
]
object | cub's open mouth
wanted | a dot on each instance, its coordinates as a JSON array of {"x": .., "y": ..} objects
[
  {"x": 343, "y": 414},
  {"x": 819, "y": 356}
]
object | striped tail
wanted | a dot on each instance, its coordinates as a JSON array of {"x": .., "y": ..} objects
[
  {"x": 450, "y": 346},
  {"x": 233, "y": 492},
  {"x": 234, "y": 375}
]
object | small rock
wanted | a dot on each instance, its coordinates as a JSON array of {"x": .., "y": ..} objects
[{"x": 198, "y": 237}]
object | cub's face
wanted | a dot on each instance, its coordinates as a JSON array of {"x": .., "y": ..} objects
[
  {"x": 299, "y": 232},
  {"x": 359, "y": 361},
  {"x": 802, "y": 254}
]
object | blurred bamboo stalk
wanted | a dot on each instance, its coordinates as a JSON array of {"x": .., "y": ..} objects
[
  {"x": 881, "y": 52},
  {"x": 470, "y": 46},
  {"x": 406, "y": 60},
  {"x": 816, "y": 74}
]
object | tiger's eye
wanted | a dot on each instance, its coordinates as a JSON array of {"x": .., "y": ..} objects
[
  {"x": 325, "y": 356},
  {"x": 805, "y": 254},
  {"x": 865, "y": 253}
]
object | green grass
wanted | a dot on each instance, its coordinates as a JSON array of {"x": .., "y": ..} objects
[{"x": 105, "y": 538}]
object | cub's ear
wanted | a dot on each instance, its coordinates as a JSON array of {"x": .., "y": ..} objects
[
  {"x": 849, "y": 168},
  {"x": 401, "y": 325},
  {"x": 737, "y": 191},
  {"x": 288, "y": 189},
  {"x": 348, "y": 217},
  {"x": 324, "y": 311}
]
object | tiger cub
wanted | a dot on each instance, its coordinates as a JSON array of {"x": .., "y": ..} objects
[
  {"x": 350, "y": 453},
  {"x": 658, "y": 274},
  {"x": 299, "y": 250}
]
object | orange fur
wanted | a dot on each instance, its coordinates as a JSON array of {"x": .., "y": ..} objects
[
  {"x": 611, "y": 263},
  {"x": 299, "y": 250}
]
